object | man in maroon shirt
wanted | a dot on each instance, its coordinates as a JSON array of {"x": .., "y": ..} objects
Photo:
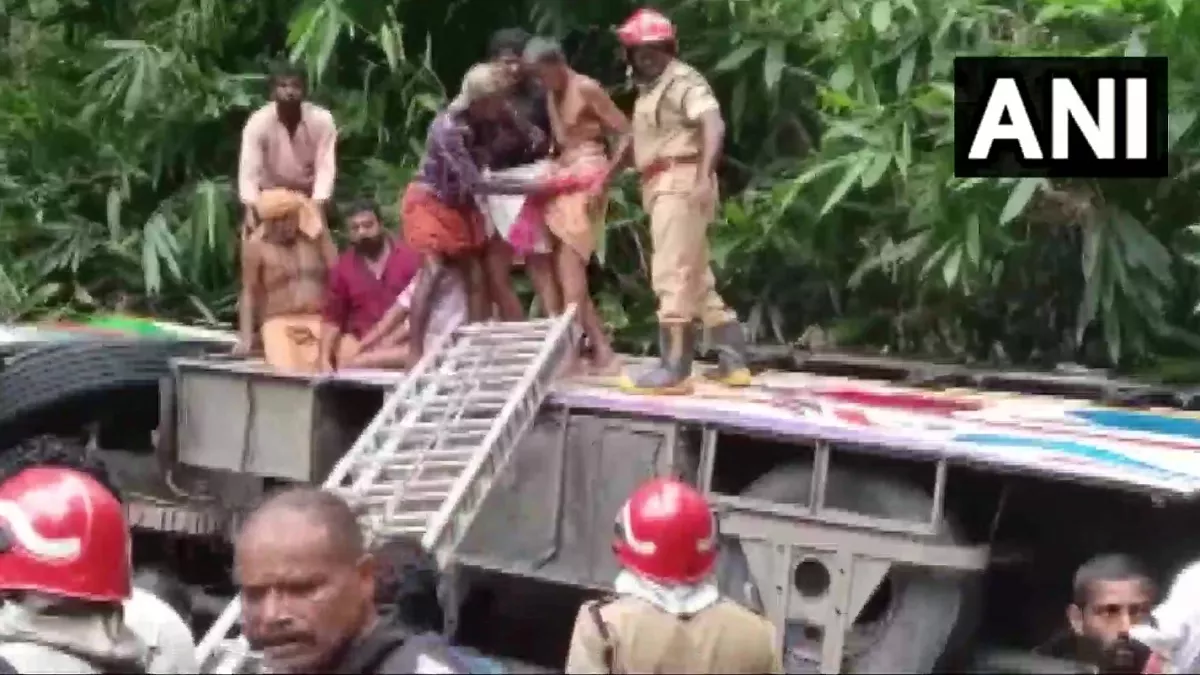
[{"x": 363, "y": 286}]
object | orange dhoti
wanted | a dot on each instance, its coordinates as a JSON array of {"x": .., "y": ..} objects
[
  {"x": 576, "y": 217},
  {"x": 292, "y": 343},
  {"x": 433, "y": 227}
]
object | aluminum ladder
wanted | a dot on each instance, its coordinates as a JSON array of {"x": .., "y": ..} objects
[{"x": 425, "y": 464}]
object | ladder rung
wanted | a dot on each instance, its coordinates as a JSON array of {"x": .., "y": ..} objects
[
  {"x": 423, "y": 436},
  {"x": 488, "y": 327},
  {"x": 401, "y": 474},
  {"x": 426, "y": 465},
  {"x": 473, "y": 398},
  {"x": 483, "y": 375},
  {"x": 375, "y": 504},
  {"x": 445, "y": 451},
  {"x": 414, "y": 490},
  {"x": 450, "y": 427},
  {"x": 409, "y": 518},
  {"x": 401, "y": 530},
  {"x": 408, "y": 476}
]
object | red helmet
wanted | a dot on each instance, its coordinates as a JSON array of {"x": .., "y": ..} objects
[
  {"x": 645, "y": 27},
  {"x": 64, "y": 534},
  {"x": 667, "y": 533}
]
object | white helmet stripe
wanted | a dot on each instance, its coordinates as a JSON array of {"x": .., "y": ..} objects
[
  {"x": 638, "y": 546},
  {"x": 29, "y": 539}
]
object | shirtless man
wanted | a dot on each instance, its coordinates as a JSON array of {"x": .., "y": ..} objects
[
  {"x": 285, "y": 272},
  {"x": 288, "y": 143},
  {"x": 581, "y": 117}
]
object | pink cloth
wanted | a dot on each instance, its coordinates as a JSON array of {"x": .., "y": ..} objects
[{"x": 526, "y": 231}]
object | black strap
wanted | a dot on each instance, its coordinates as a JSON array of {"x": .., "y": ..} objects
[{"x": 610, "y": 655}]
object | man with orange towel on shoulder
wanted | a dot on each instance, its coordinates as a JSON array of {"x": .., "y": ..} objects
[{"x": 285, "y": 272}]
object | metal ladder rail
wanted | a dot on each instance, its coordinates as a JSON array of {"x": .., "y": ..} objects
[
  {"x": 460, "y": 351},
  {"x": 365, "y": 471},
  {"x": 386, "y": 510},
  {"x": 396, "y": 401},
  {"x": 533, "y": 387},
  {"x": 354, "y": 458},
  {"x": 482, "y": 448},
  {"x": 452, "y": 454}
]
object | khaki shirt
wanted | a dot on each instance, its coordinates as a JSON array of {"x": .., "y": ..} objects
[
  {"x": 666, "y": 116},
  {"x": 724, "y": 638},
  {"x": 271, "y": 157}
]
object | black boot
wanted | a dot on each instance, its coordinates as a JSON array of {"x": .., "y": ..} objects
[
  {"x": 730, "y": 343},
  {"x": 672, "y": 375}
]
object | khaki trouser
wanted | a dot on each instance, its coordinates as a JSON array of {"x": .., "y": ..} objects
[{"x": 679, "y": 266}]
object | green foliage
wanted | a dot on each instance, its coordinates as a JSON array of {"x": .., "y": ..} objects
[{"x": 843, "y": 222}]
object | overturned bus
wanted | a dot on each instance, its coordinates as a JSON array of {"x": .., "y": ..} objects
[{"x": 886, "y": 515}]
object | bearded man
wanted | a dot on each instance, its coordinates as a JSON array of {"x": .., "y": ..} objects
[{"x": 365, "y": 283}]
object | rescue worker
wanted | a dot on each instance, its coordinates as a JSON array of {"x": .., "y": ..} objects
[
  {"x": 677, "y": 136},
  {"x": 668, "y": 616},
  {"x": 64, "y": 573}
]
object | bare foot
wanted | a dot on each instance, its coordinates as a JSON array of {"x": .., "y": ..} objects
[
  {"x": 606, "y": 364},
  {"x": 573, "y": 366}
]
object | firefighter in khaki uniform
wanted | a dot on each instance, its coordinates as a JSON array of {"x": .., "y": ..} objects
[
  {"x": 668, "y": 616},
  {"x": 677, "y": 136}
]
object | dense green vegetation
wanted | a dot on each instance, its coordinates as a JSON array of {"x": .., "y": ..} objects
[{"x": 842, "y": 221}]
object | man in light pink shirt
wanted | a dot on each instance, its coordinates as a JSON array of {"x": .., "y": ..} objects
[{"x": 289, "y": 143}]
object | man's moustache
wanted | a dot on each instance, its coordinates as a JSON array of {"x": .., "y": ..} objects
[{"x": 269, "y": 641}]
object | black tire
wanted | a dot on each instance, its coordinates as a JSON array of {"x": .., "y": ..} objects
[
  {"x": 924, "y": 611},
  {"x": 60, "y": 387}
]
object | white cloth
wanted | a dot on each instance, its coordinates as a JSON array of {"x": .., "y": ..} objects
[
  {"x": 34, "y": 638},
  {"x": 500, "y": 211},
  {"x": 1177, "y": 636},
  {"x": 680, "y": 600},
  {"x": 448, "y": 306},
  {"x": 168, "y": 637}
]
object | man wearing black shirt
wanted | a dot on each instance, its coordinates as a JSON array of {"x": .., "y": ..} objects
[{"x": 519, "y": 144}]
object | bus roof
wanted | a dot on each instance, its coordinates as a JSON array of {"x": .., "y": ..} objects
[{"x": 1070, "y": 439}]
